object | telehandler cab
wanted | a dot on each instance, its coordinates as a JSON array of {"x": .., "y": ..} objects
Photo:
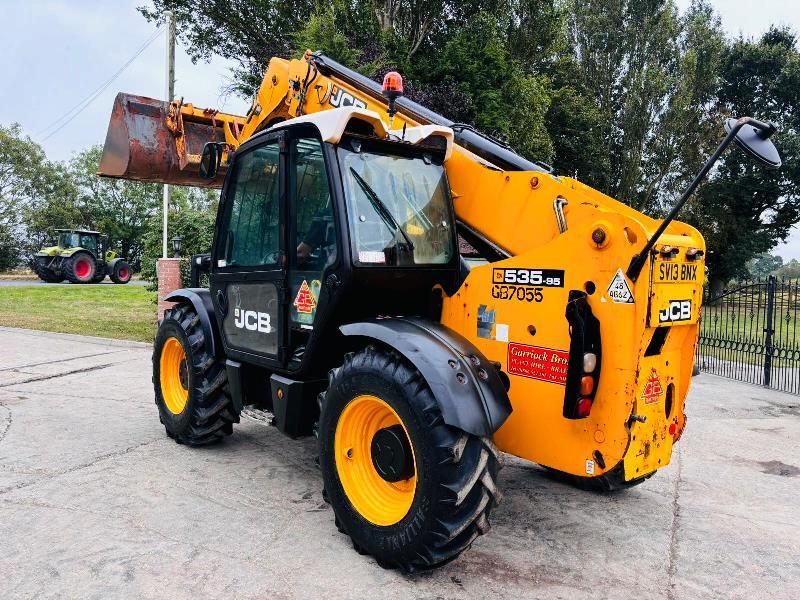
[{"x": 419, "y": 297}]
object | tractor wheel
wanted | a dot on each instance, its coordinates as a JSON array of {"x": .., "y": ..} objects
[
  {"x": 120, "y": 272},
  {"x": 80, "y": 267},
  {"x": 408, "y": 489},
  {"x": 191, "y": 387},
  {"x": 47, "y": 275}
]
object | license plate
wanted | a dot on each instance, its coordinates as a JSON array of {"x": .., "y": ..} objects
[{"x": 677, "y": 272}]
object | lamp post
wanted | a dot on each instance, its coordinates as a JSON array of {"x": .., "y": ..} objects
[{"x": 176, "y": 246}]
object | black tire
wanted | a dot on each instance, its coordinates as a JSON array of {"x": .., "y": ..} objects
[
  {"x": 209, "y": 414},
  {"x": 47, "y": 275},
  {"x": 120, "y": 272},
  {"x": 80, "y": 267},
  {"x": 456, "y": 471}
]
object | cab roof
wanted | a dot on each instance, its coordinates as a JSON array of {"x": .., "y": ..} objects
[
  {"x": 333, "y": 123},
  {"x": 78, "y": 231}
]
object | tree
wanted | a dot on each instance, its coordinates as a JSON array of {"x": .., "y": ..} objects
[
  {"x": 23, "y": 173},
  {"x": 790, "y": 270},
  {"x": 747, "y": 208},
  {"x": 196, "y": 230},
  {"x": 764, "y": 265},
  {"x": 9, "y": 249}
]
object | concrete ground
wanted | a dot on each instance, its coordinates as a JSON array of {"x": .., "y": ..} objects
[{"x": 96, "y": 502}]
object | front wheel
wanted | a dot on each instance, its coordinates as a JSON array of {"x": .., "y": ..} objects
[
  {"x": 191, "y": 387},
  {"x": 120, "y": 272},
  {"x": 408, "y": 489}
]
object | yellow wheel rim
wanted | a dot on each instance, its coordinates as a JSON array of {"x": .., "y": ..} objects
[
  {"x": 173, "y": 376},
  {"x": 379, "y": 501}
]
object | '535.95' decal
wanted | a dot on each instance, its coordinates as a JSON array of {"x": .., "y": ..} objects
[
  {"x": 529, "y": 277},
  {"x": 525, "y": 285}
]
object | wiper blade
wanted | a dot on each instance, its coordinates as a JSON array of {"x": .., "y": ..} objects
[{"x": 381, "y": 209}]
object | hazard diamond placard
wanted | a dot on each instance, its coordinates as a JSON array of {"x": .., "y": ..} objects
[{"x": 304, "y": 302}]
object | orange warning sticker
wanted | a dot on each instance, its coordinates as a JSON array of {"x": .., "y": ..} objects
[
  {"x": 652, "y": 389},
  {"x": 304, "y": 302}
]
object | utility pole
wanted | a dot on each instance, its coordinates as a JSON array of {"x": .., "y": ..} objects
[{"x": 170, "y": 92}]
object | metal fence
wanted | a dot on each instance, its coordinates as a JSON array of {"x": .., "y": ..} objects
[{"x": 750, "y": 332}]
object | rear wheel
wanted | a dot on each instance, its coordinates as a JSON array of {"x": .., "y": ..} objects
[
  {"x": 80, "y": 267},
  {"x": 46, "y": 274},
  {"x": 191, "y": 386},
  {"x": 120, "y": 272},
  {"x": 408, "y": 489}
]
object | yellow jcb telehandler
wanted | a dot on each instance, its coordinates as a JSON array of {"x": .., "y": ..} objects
[{"x": 419, "y": 297}]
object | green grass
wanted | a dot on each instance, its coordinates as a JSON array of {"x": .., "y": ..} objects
[
  {"x": 124, "y": 312},
  {"x": 734, "y": 323}
]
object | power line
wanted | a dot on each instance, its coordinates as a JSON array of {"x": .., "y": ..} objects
[{"x": 68, "y": 116}]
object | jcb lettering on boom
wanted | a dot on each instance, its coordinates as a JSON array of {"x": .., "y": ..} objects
[{"x": 341, "y": 98}]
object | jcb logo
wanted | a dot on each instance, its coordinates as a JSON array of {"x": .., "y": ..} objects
[
  {"x": 252, "y": 320},
  {"x": 342, "y": 98},
  {"x": 678, "y": 310}
]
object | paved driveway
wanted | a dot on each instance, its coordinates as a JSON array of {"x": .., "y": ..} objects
[{"x": 95, "y": 502}]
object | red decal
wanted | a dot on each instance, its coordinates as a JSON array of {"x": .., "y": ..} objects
[
  {"x": 535, "y": 362},
  {"x": 304, "y": 302},
  {"x": 652, "y": 389}
]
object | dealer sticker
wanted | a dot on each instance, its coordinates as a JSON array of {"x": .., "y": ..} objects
[
  {"x": 619, "y": 291},
  {"x": 652, "y": 388},
  {"x": 535, "y": 362}
]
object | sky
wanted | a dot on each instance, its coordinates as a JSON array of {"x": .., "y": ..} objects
[{"x": 55, "y": 53}]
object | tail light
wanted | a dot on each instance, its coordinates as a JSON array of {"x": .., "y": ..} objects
[
  {"x": 583, "y": 369},
  {"x": 584, "y": 407}
]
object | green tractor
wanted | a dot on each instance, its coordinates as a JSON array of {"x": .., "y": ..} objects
[{"x": 79, "y": 258}]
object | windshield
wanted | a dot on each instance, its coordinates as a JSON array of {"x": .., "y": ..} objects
[
  {"x": 67, "y": 239},
  {"x": 398, "y": 208}
]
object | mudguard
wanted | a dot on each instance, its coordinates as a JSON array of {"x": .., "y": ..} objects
[
  {"x": 466, "y": 385},
  {"x": 200, "y": 298}
]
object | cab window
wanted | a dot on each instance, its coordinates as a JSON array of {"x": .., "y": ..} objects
[
  {"x": 252, "y": 213},
  {"x": 314, "y": 231}
]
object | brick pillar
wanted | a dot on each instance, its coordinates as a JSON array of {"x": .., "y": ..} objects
[{"x": 169, "y": 280}]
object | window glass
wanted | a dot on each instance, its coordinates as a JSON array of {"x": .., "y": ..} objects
[
  {"x": 398, "y": 208},
  {"x": 252, "y": 215},
  {"x": 89, "y": 242},
  {"x": 315, "y": 233}
]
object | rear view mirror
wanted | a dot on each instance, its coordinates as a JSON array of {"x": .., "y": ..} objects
[
  {"x": 753, "y": 138},
  {"x": 209, "y": 161}
]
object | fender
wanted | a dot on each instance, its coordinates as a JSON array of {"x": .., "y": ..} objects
[
  {"x": 466, "y": 385},
  {"x": 200, "y": 299}
]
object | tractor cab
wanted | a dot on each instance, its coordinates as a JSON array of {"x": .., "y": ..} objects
[
  {"x": 79, "y": 238},
  {"x": 324, "y": 220}
]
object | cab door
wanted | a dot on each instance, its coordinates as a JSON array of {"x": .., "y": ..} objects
[{"x": 248, "y": 270}]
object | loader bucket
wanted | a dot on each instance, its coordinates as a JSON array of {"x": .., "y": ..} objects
[{"x": 140, "y": 146}]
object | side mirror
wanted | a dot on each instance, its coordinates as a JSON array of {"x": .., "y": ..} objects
[
  {"x": 753, "y": 138},
  {"x": 210, "y": 160}
]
